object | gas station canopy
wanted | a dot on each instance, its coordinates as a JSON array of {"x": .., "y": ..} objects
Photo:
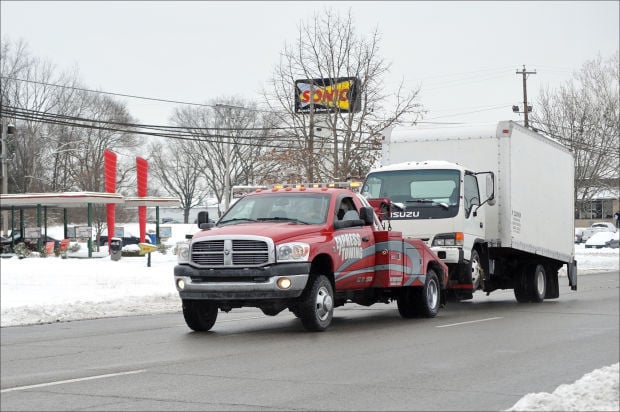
[{"x": 76, "y": 199}]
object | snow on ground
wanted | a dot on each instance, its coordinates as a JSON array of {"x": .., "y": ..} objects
[{"x": 42, "y": 290}]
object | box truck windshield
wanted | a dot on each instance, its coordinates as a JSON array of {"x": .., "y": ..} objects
[{"x": 416, "y": 194}]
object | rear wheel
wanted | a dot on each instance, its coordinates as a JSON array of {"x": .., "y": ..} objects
[
  {"x": 420, "y": 301},
  {"x": 537, "y": 283},
  {"x": 520, "y": 289},
  {"x": 200, "y": 315},
  {"x": 316, "y": 307}
]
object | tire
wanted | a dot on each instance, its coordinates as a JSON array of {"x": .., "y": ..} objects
[
  {"x": 200, "y": 315},
  {"x": 477, "y": 274},
  {"x": 316, "y": 307},
  {"x": 420, "y": 301},
  {"x": 521, "y": 293},
  {"x": 537, "y": 283}
]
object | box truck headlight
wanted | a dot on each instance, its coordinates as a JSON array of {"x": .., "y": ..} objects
[{"x": 449, "y": 239}]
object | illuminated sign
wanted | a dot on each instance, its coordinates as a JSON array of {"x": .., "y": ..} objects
[{"x": 327, "y": 95}]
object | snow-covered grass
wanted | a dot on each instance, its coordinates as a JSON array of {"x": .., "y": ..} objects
[{"x": 41, "y": 290}]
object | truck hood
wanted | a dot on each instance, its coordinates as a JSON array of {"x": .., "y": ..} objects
[{"x": 276, "y": 231}]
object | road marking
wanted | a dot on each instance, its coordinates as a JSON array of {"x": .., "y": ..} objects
[
  {"x": 88, "y": 378},
  {"x": 464, "y": 323}
]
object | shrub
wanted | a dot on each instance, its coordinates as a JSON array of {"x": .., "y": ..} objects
[{"x": 21, "y": 250}]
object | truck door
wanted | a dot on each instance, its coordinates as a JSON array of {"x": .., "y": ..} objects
[
  {"x": 354, "y": 247},
  {"x": 474, "y": 225}
]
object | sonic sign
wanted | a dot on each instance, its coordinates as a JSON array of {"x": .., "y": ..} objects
[{"x": 327, "y": 95}]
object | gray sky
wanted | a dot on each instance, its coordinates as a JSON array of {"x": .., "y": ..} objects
[{"x": 463, "y": 54}]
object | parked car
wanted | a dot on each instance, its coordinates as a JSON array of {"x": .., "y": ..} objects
[
  {"x": 601, "y": 239},
  {"x": 597, "y": 227},
  {"x": 127, "y": 240},
  {"x": 6, "y": 242},
  {"x": 579, "y": 234}
]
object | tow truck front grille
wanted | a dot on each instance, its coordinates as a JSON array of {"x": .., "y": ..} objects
[{"x": 231, "y": 252}]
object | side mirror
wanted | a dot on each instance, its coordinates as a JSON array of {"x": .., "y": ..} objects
[
  {"x": 367, "y": 215},
  {"x": 490, "y": 189},
  {"x": 203, "y": 217}
]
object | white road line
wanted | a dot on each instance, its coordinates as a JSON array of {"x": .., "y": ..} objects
[
  {"x": 88, "y": 378},
  {"x": 464, "y": 323}
]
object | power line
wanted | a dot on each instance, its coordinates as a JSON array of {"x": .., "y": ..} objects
[
  {"x": 180, "y": 133},
  {"x": 126, "y": 95}
]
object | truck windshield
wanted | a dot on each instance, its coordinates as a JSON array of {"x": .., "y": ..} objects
[
  {"x": 304, "y": 208},
  {"x": 416, "y": 194}
]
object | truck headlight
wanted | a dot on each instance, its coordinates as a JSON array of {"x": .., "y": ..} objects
[
  {"x": 183, "y": 253},
  {"x": 449, "y": 239},
  {"x": 294, "y": 251}
]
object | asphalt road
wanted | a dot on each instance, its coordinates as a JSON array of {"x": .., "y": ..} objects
[{"x": 483, "y": 354}]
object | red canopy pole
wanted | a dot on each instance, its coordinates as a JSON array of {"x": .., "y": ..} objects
[
  {"x": 142, "y": 171},
  {"x": 109, "y": 168}
]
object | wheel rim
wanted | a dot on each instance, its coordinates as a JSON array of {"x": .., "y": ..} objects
[
  {"x": 324, "y": 303},
  {"x": 432, "y": 294},
  {"x": 476, "y": 271},
  {"x": 540, "y": 280}
]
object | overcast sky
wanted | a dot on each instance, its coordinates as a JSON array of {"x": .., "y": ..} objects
[{"x": 464, "y": 55}]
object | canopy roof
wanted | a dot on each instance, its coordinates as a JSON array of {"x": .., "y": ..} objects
[{"x": 77, "y": 199}]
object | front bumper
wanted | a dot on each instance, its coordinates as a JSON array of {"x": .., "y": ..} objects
[
  {"x": 241, "y": 283},
  {"x": 449, "y": 255}
]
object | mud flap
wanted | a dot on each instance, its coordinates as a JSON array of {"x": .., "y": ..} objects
[
  {"x": 552, "y": 287},
  {"x": 572, "y": 274}
]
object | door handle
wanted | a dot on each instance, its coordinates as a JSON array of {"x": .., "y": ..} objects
[{"x": 365, "y": 238}]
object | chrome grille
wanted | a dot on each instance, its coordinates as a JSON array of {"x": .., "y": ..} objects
[{"x": 232, "y": 252}]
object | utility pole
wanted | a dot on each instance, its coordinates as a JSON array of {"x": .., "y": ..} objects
[
  {"x": 526, "y": 108},
  {"x": 4, "y": 134}
]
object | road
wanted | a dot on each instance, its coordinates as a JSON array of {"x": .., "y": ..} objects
[{"x": 483, "y": 354}]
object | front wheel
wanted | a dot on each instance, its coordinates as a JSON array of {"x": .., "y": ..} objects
[
  {"x": 477, "y": 274},
  {"x": 200, "y": 315},
  {"x": 316, "y": 307}
]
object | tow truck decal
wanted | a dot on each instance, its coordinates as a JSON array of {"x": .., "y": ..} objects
[
  {"x": 347, "y": 270},
  {"x": 349, "y": 245}
]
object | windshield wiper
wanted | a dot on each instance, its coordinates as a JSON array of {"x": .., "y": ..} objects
[
  {"x": 420, "y": 201},
  {"x": 442, "y": 204},
  {"x": 288, "y": 219},
  {"x": 237, "y": 219}
]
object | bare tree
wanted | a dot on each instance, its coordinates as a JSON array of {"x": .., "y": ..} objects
[
  {"x": 327, "y": 47},
  {"x": 174, "y": 165},
  {"x": 230, "y": 143},
  {"x": 584, "y": 115}
]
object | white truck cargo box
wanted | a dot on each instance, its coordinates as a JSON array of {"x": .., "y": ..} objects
[{"x": 534, "y": 180}]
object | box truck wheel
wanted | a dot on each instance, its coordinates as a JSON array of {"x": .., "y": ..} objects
[
  {"x": 521, "y": 293},
  {"x": 200, "y": 315},
  {"x": 537, "y": 280},
  {"x": 477, "y": 274},
  {"x": 420, "y": 301},
  {"x": 316, "y": 305}
]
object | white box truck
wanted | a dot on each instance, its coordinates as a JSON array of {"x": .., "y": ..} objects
[{"x": 494, "y": 203}]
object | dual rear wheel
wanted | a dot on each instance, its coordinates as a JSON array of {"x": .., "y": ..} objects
[
  {"x": 419, "y": 301},
  {"x": 531, "y": 285}
]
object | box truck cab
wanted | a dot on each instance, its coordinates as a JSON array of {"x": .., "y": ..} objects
[{"x": 438, "y": 202}]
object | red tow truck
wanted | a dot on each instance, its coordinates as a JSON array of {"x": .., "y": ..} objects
[{"x": 307, "y": 250}]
